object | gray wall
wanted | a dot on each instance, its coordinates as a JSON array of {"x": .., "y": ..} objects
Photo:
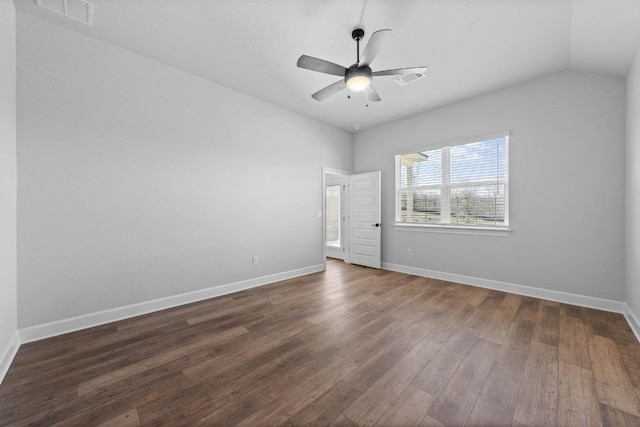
[
  {"x": 139, "y": 181},
  {"x": 632, "y": 265},
  {"x": 567, "y": 185},
  {"x": 8, "y": 177}
]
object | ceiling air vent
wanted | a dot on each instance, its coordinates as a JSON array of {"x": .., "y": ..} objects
[
  {"x": 78, "y": 10},
  {"x": 408, "y": 78}
]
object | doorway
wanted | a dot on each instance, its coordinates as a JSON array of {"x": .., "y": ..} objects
[
  {"x": 351, "y": 217},
  {"x": 335, "y": 213}
]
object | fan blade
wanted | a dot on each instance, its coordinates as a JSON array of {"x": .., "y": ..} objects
[
  {"x": 371, "y": 94},
  {"x": 373, "y": 47},
  {"x": 330, "y": 90},
  {"x": 321, "y": 66},
  {"x": 400, "y": 71}
]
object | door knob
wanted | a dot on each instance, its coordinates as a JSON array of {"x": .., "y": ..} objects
[{"x": 377, "y": 224}]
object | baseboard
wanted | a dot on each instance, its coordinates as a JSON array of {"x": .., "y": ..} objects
[
  {"x": 9, "y": 355},
  {"x": 632, "y": 320},
  {"x": 64, "y": 326},
  {"x": 564, "y": 297},
  {"x": 47, "y": 330}
]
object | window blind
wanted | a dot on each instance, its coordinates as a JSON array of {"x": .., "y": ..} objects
[{"x": 465, "y": 184}]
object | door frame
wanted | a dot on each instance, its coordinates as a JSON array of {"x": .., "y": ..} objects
[{"x": 344, "y": 229}]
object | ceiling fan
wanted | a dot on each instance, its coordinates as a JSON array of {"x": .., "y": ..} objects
[{"x": 358, "y": 76}]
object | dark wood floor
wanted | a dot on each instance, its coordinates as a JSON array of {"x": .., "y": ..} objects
[{"x": 350, "y": 346}]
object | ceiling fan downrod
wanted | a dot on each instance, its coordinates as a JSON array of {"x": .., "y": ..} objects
[{"x": 357, "y": 35}]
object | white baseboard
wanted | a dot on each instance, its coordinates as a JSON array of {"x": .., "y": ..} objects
[
  {"x": 564, "y": 297},
  {"x": 47, "y": 330},
  {"x": 9, "y": 355},
  {"x": 632, "y": 320},
  {"x": 59, "y": 327}
]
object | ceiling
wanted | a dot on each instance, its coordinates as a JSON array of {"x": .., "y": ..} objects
[{"x": 470, "y": 46}]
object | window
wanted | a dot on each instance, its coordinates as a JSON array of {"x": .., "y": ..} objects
[{"x": 458, "y": 185}]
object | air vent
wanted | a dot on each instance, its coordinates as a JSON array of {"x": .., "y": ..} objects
[
  {"x": 408, "y": 78},
  {"x": 78, "y": 10}
]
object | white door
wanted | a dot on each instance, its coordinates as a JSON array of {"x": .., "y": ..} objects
[{"x": 364, "y": 224}]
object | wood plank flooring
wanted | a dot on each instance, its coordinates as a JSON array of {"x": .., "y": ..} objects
[{"x": 351, "y": 346}]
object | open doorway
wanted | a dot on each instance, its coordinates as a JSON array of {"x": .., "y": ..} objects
[
  {"x": 351, "y": 217},
  {"x": 335, "y": 213}
]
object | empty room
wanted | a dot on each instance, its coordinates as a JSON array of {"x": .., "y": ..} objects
[{"x": 305, "y": 212}]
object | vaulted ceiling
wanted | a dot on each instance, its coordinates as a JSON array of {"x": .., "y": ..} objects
[{"x": 470, "y": 46}]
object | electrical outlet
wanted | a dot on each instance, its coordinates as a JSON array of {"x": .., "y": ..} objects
[
  {"x": 254, "y": 260},
  {"x": 409, "y": 251}
]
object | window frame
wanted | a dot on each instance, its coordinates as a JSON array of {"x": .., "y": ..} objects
[{"x": 445, "y": 187}]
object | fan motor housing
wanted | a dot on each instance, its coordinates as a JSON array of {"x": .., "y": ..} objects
[{"x": 355, "y": 71}]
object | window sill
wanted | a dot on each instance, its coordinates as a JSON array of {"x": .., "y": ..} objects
[{"x": 453, "y": 229}]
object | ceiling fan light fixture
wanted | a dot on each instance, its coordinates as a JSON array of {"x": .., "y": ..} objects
[
  {"x": 358, "y": 78},
  {"x": 358, "y": 83}
]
